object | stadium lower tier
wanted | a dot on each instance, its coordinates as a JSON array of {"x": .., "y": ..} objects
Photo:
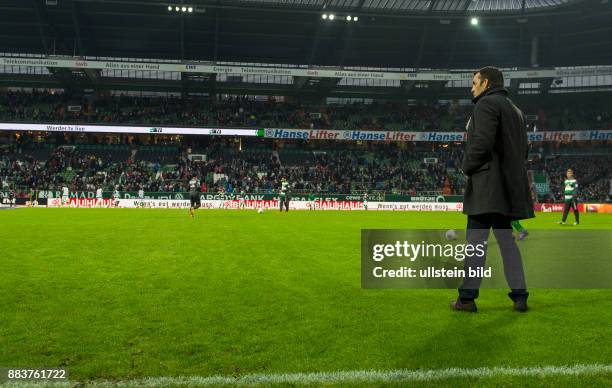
[{"x": 235, "y": 165}]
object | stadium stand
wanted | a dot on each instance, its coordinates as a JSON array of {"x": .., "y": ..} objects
[
  {"x": 46, "y": 106},
  {"x": 315, "y": 167}
]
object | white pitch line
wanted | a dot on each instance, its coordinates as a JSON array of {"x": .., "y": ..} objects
[{"x": 341, "y": 377}]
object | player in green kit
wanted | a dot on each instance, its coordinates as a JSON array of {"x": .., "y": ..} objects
[
  {"x": 519, "y": 228},
  {"x": 570, "y": 192},
  {"x": 365, "y": 201}
]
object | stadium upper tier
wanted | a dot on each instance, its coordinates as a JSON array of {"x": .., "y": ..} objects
[{"x": 46, "y": 107}]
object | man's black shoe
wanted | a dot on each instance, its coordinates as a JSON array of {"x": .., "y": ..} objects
[
  {"x": 458, "y": 305},
  {"x": 520, "y": 306}
]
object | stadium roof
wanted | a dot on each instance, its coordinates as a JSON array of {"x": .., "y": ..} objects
[
  {"x": 389, "y": 33},
  {"x": 411, "y": 6}
]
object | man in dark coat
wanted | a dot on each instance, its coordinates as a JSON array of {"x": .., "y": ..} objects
[{"x": 497, "y": 190}]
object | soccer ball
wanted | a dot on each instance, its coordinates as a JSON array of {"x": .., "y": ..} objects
[
  {"x": 451, "y": 234},
  {"x": 260, "y": 210}
]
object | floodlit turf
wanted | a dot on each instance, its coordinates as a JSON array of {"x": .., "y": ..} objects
[{"x": 130, "y": 293}]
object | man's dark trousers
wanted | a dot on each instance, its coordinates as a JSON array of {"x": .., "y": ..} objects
[
  {"x": 478, "y": 233},
  {"x": 284, "y": 201},
  {"x": 566, "y": 208}
]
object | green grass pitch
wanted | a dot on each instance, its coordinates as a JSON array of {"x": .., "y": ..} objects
[{"x": 130, "y": 293}]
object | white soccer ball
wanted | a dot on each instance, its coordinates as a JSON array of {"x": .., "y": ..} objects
[
  {"x": 260, "y": 210},
  {"x": 451, "y": 234}
]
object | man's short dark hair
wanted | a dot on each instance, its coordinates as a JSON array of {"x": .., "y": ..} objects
[{"x": 493, "y": 74}]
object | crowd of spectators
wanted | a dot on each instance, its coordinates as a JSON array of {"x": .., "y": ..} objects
[
  {"x": 259, "y": 167},
  {"x": 45, "y": 106}
]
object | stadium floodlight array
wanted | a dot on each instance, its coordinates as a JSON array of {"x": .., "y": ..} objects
[
  {"x": 332, "y": 16},
  {"x": 180, "y": 9}
]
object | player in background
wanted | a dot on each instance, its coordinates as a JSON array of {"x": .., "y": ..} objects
[
  {"x": 141, "y": 197},
  {"x": 65, "y": 194},
  {"x": 570, "y": 192},
  {"x": 365, "y": 201},
  {"x": 519, "y": 228},
  {"x": 99, "y": 200},
  {"x": 116, "y": 197},
  {"x": 311, "y": 201},
  {"x": 241, "y": 201},
  {"x": 194, "y": 196},
  {"x": 12, "y": 198},
  {"x": 221, "y": 193},
  {"x": 32, "y": 201},
  {"x": 285, "y": 195}
]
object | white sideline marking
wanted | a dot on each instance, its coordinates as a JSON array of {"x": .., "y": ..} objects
[{"x": 362, "y": 376}]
